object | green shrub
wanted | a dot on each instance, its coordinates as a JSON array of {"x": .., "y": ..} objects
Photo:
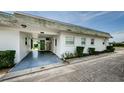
[
  {"x": 7, "y": 59},
  {"x": 100, "y": 52},
  {"x": 79, "y": 51},
  {"x": 91, "y": 51},
  {"x": 35, "y": 45},
  {"x": 110, "y": 49},
  {"x": 118, "y": 44},
  {"x": 85, "y": 54},
  {"x": 68, "y": 55}
]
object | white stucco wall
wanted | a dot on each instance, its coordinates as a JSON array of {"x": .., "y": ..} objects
[
  {"x": 13, "y": 39},
  {"x": 24, "y": 49},
  {"x": 98, "y": 45},
  {"x": 54, "y": 48},
  {"x": 9, "y": 41}
]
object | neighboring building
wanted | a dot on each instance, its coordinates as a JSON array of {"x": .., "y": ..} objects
[{"x": 21, "y": 32}]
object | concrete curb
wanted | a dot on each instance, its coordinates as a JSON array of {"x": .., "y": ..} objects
[{"x": 15, "y": 74}]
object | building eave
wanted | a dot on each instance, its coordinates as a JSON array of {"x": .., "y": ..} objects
[
  {"x": 68, "y": 26},
  {"x": 53, "y": 24}
]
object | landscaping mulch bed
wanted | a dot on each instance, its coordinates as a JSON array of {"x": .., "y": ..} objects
[{"x": 3, "y": 72}]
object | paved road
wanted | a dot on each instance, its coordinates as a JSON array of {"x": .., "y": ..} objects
[{"x": 104, "y": 69}]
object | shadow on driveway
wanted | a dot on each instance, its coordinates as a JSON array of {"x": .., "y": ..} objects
[{"x": 36, "y": 59}]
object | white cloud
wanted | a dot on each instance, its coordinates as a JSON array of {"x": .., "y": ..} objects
[
  {"x": 117, "y": 36},
  {"x": 88, "y": 16}
]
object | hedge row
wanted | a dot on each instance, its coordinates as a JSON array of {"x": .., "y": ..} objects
[
  {"x": 7, "y": 58},
  {"x": 118, "y": 44},
  {"x": 110, "y": 49},
  {"x": 91, "y": 51}
]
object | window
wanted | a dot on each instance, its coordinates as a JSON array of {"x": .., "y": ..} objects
[
  {"x": 26, "y": 41},
  {"x": 69, "y": 40},
  {"x": 83, "y": 41},
  {"x": 92, "y": 41}
]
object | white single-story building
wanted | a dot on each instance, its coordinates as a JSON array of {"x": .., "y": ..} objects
[{"x": 21, "y": 32}]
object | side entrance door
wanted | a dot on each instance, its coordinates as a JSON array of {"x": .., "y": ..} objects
[{"x": 42, "y": 44}]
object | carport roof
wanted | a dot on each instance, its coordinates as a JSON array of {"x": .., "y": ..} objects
[{"x": 61, "y": 26}]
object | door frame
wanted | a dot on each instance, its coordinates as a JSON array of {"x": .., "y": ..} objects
[{"x": 44, "y": 45}]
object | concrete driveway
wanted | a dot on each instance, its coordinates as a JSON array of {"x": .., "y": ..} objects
[
  {"x": 109, "y": 68},
  {"x": 36, "y": 59}
]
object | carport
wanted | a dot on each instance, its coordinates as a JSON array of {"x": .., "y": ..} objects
[{"x": 37, "y": 59}]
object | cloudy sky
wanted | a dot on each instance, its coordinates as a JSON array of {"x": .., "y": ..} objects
[{"x": 112, "y": 22}]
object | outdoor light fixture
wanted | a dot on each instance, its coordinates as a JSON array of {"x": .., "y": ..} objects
[
  {"x": 23, "y": 25},
  {"x": 42, "y": 32}
]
